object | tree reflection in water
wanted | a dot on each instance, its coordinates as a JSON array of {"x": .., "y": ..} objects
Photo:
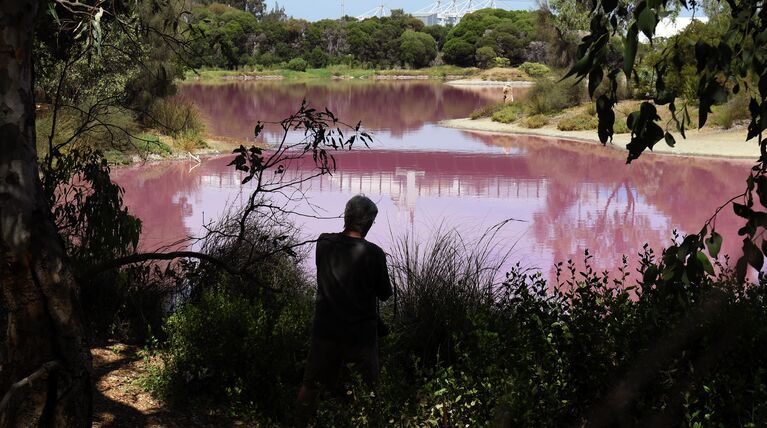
[{"x": 571, "y": 196}]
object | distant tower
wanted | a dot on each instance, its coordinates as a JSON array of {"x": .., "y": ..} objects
[{"x": 343, "y": 12}]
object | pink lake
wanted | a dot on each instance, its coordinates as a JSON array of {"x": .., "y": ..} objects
[{"x": 564, "y": 196}]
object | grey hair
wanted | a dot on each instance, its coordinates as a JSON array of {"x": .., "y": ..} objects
[{"x": 359, "y": 214}]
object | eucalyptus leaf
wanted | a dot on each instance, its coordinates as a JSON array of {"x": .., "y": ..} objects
[
  {"x": 670, "y": 139},
  {"x": 646, "y": 22}
]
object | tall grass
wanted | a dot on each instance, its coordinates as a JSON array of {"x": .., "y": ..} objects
[
  {"x": 175, "y": 116},
  {"x": 486, "y": 111},
  {"x": 548, "y": 96},
  {"x": 736, "y": 109},
  {"x": 438, "y": 283}
]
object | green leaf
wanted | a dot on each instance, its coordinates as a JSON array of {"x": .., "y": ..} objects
[
  {"x": 670, "y": 139},
  {"x": 52, "y": 11},
  {"x": 705, "y": 262},
  {"x": 741, "y": 268},
  {"x": 653, "y": 134},
  {"x": 606, "y": 117},
  {"x": 714, "y": 244},
  {"x": 761, "y": 189},
  {"x": 668, "y": 273},
  {"x": 650, "y": 275},
  {"x": 630, "y": 49},
  {"x": 646, "y": 22},
  {"x": 741, "y": 210},
  {"x": 753, "y": 254},
  {"x": 579, "y": 68},
  {"x": 595, "y": 78}
]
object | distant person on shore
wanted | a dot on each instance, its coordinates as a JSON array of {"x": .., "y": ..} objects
[
  {"x": 508, "y": 94},
  {"x": 351, "y": 277}
]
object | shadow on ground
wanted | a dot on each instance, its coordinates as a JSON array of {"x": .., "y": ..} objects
[{"x": 119, "y": 401}]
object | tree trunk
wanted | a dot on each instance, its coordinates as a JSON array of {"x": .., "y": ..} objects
[{"x": 45, "y": 371}]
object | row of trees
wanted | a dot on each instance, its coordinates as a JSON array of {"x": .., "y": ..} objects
[{"x": 231, "y": 37}]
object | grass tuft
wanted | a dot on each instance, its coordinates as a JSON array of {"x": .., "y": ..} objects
[
  {"x": 508, "y": 114},
  {"x": 534, "y": 122},
  {"x": 579, "y": 122}
]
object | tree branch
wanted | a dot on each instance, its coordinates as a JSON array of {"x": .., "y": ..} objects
[
  {"x": 172, "y": 255},
  {"x": 43, "y": 371}
]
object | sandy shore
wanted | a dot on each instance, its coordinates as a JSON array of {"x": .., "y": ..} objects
[
  {"x": 480, "y": 82},
  {"x": 705, "y": 143}
]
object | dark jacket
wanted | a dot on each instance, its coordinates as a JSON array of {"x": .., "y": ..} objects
[{"x": 351, "y": 275}]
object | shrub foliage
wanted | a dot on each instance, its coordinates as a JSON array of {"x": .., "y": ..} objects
[{"x": 470, "y": 346}]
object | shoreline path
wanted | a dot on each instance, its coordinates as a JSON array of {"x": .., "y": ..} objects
[{"x": 715, "y": 143}]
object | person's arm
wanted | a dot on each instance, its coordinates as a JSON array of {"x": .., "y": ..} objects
[{"x": 383, "y": 284}]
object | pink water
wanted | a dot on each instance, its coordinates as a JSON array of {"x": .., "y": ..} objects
[{"x": 564, "y": 196}]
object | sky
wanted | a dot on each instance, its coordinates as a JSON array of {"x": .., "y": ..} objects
[{"x": 314, "y": 10}]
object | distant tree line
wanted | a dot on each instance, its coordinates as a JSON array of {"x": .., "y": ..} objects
[{"x": 231, "y": 37}]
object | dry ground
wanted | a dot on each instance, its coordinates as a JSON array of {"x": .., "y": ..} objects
[
  {"x": 705, "y": 143},
  {"x": 119, "y": 400}
]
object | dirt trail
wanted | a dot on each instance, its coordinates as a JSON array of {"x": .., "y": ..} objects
[{"x": 119, "y": 400}]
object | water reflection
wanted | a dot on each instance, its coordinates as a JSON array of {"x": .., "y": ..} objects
[
  {"x": 568, "y": 196},
  {"x": 396, "y": 108},
  {"x": 564, "y": 196}
]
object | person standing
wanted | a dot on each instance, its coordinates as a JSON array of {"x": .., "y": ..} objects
[
  {"x": 508, "y": 94},
  {"x": 351, "y": 277}
]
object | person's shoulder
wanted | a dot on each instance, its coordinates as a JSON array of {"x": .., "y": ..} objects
[
  {"x": 376, "y": 249},
  {"x": 326, "y": 238}
]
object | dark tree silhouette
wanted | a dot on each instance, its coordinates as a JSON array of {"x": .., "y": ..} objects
[{"x": 45, "y": 372}]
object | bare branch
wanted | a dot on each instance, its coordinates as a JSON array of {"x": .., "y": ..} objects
[
  {"x": 38, "y": 374},
  {"x": 172, "y": 255}
]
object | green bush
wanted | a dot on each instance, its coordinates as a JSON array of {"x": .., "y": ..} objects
[
  {"x": 579, "y": 122},
  {"x": 485, "y": 57},
  {"x": 508, "y": 114},
  {"x": 417, "y": 49},
  {"x": 237, "y": 351},
  {"x": 128, "y": 305},
  {"x": 486, "y": 111},
  {"x": 112, "y": 130},
  {"x": 548, "y": 96},
  {"x": 501, "y": 62},
  {"x": 458, "y": 52},
  {"x": 317, "y": 58},
  {"x": 534, "y": 122},
  {"x": 297, "y": 64},
  {"x": 734, "y": 110},
  {"x": 620, "y": 126},
  {"x": 235, "y": 341},
  {"x": 533, "y": 69},
  {"x": 151, "y": 144},
  {"x": 470, "y": 346},
  {"x": 175, "y": 116},
  {"x": 529, "y": 353},
  {"x": 116, "y": 157}
]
